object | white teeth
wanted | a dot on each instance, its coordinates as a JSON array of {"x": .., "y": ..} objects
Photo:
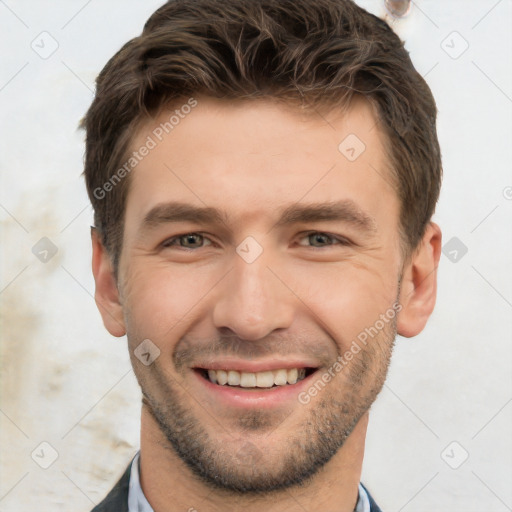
[
  {"x": 248, "y": 380},
  {"x": 293, "y": 375},
  {"x": 233, "y": 378},
  {"x": 222, "y": 377},
  {"x": 265, "y": 379},
  {"x": 280, "y": 377}
]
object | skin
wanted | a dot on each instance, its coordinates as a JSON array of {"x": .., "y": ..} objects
[{"x": 304, "y": 297}]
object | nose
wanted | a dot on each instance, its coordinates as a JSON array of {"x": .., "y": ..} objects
[{"x": 253, "y": 300}]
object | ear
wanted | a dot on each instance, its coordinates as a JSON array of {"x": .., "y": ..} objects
[
  {"x": 419, "y": 284},
  {"x": 106, "y": 294}
]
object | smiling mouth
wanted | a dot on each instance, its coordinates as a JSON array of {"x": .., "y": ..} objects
[{"x": 259, "y": 380}]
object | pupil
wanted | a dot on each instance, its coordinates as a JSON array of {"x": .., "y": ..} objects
[
  {"x": 319, "y": 238},
  {"x": 192, "y": 239}
]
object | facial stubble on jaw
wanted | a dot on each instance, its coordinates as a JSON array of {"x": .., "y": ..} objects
[{"x": 247, "y": 469}]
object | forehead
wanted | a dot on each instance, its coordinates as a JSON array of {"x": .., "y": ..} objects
[{"x": 250, "y": 158}]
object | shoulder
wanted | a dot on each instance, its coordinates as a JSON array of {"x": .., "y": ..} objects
[{"x": 117, "y": 498}]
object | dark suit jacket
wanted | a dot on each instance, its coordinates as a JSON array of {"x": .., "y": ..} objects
[{"x": 117, "y": 499}]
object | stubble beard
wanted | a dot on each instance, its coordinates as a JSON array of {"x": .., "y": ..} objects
[{"x": 246, "y": 468}]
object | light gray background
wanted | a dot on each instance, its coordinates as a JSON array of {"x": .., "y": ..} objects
[{"x": 66, "y": 382}]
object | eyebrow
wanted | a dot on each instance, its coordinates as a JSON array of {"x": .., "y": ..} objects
[
  {"x": 182, "y": 212},
  {"x": 343, "y": 211}
]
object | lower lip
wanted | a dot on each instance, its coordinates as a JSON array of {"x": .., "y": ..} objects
[{"x": 251, "y": 398}]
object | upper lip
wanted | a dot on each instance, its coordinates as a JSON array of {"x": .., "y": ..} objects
[{"x": 253, "y": 366}]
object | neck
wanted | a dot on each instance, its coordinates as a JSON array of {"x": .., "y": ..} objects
[{"x": 165, "y": 480}]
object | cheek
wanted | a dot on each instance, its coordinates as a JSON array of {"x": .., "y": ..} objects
[
  {"x": 160, "y": 301},
  {"x": 347, "y": 299}
]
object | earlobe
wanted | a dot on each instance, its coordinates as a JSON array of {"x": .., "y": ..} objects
[
  {"x": 419, "y": 284},
  {"x": 106, "y": 293}
]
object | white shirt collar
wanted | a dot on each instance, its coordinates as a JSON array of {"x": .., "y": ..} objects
[{"x": 137, "y": 502}]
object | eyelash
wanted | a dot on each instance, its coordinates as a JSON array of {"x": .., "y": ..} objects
[{"x": 170, "y": 242}]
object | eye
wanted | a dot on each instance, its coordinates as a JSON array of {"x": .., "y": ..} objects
[
  {"x": 320, "y": 239},
  {"x": 186, "y": 241}
]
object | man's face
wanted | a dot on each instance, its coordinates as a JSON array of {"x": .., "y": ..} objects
[{"x": 300, "y": 256}]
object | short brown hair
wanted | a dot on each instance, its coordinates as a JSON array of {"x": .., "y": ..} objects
[{"x": 322, "y": 51}]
